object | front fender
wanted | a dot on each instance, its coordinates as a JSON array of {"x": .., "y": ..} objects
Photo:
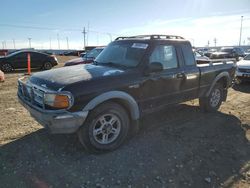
[{"x": 126, "y": 98}]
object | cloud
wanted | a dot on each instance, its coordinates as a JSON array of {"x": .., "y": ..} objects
[{"x": 224, "y": 28}]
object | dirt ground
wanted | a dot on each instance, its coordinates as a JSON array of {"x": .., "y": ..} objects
[{"x": 176, "y": 147}]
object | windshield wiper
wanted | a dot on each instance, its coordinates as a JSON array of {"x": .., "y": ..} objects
[
  {"x": 112, "y": 64},
  {"x": 96, "y": 62}
]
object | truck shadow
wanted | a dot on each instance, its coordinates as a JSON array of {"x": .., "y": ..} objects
[
  {"x": 243, "y": 87},
  {"x": 177, "y": 147}
]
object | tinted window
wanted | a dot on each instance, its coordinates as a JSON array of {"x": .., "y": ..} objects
[
  {"x": 188, "y": 54},
  {"x": 229, "y": 50},
  {"x": 166, "y": 55},
  {"x": 21, "y": 55}
]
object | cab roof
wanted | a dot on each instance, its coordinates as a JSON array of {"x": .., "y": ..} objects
[{"x": 152, "y": 37}]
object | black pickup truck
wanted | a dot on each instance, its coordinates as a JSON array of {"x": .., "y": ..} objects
[{"x": 132, "y": 77}]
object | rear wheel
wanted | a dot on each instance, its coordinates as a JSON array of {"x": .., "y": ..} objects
[
  {"x": 6, "y": 67},
  {"x": 105, "y": 129},
  {"x": 213, "y": 102},
  {"x": 47, "y": 66}
]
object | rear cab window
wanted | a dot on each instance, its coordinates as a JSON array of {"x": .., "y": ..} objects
[{"x": 188, "y": 55}]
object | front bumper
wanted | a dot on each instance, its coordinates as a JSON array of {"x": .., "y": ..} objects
[
  {"x": 56, "y": 121},
  {"x": 242, "y": 75}
]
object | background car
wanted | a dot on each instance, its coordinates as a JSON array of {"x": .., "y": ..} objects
[
  {"x": 73, "y": 53},
  {"x": 243, "y": 69},
  {"x": 18, "y": 60},
  {"x": 89, "y": 57},
  {"x": 201, "y": 58},
  {"x": 228, "y": 52},
  {"x": 209, "y": 52}
]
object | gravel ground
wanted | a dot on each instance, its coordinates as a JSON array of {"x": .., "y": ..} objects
[{"x": 176, "y": 147}]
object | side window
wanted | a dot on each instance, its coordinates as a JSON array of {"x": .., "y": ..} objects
[
  {"x": 166, "y": 55},
  {"x": 188, "y": 54},
  {"x": 21, "y": 55},
  {"x": 197, "y": 54}
]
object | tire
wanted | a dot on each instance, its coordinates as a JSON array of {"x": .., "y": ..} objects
[
  {"x": 99, "y": 134},
  {"x": 6, "y": 67},
  {"x": 47, "y": 66},
  {"x": 213, "y": 102},
  {"x": 237, "y": 81}
]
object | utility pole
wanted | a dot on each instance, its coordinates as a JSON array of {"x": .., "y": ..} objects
[
  {"x": 5, "y": 44},
  {"x": 215, "y": 42},
  {"x": 84, "y": 36},
  {"x": 240, "y": 29},
  {"x": 58, "y": 41},
  {"x": 14, "y": 43},
  {"x": 50, "y": 43},
  {"x": 88, "y": 35},
  {"x": 208, "y": 43},
  {"x": 29, "y": 42},
  {"x": 67, "y": 40},
  {"x": 110, "y": 36}
]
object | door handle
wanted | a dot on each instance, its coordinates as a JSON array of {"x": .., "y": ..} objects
[{"x": 181, "y": 75}]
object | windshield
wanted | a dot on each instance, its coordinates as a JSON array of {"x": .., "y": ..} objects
[
  {"x": 127, "y": 54},
  {"x": 92, "y": 54},
  {"x": 247, "y": 57}
]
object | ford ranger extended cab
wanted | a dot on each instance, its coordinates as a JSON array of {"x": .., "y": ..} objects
[{"x": 133, "y": 76}]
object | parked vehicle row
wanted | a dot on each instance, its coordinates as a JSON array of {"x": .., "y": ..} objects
[
  {"x": 87, "y": 58},
  {"x": 133, "y": 76},
  {"x": 18, "y": 60},
  {"x": 228, "y": 52}
]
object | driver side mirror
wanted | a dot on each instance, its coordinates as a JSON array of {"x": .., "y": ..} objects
[{"x": 155, "y": 67}]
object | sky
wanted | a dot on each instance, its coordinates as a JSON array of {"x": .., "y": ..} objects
[{"x": 59, "y": 23}]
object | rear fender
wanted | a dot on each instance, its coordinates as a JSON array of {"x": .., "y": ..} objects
[{"x": 220, "y": 76}]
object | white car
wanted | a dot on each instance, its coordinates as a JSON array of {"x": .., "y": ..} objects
[
  {"x": 243, "y": 69},
  {"x": 1, "y": 76}
]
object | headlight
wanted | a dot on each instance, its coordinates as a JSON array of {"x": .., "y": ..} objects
[{"x": 58, "y": 100}]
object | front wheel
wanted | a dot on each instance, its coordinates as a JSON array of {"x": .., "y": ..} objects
[
  {"x": 47, "y": 66},
  {"x": 213, "y": 102},
  {"x": 106, "y": 128}
]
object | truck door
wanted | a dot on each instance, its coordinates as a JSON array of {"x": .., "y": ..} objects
[
  {"x": 191, "y": 74},
  {"x": 162, "y": 88}
]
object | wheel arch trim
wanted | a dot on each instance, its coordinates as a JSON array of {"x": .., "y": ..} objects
[
  {"x": 125, "y": 97},
  {"x": 217, "y": 78}
]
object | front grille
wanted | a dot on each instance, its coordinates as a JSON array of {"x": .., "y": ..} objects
[
  {"x": 31, "y": 93},
  {"x": 244, "y": 70}
]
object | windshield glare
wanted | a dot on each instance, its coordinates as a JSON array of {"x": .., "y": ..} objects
[
  {"x": 247, "y": 57},
  {"x": 123, "y": 54}
]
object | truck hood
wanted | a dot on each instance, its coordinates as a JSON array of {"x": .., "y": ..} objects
[
  {"x": 76, "y": 60},
  {"x": 57, "y": 79}
]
